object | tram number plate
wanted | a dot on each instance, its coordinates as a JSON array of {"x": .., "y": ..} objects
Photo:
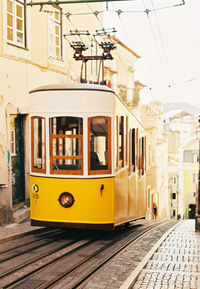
[{"x": 35, "y": 189}]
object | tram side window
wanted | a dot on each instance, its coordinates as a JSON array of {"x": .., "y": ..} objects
[
  {"x": 142, "y": 160},
  {"x": 38, "y": 145},
  {"x": 126, "y": 140},
  {"x": 132, "y": 150},
  {"x": 121, "y": 142},
  {"x": 66, "y": 145},
  {"x": 116, "y": 143},
  {"x": 99, "y": 145}
]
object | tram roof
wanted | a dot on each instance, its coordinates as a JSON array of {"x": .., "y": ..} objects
[{"x": 72, "y": 86}]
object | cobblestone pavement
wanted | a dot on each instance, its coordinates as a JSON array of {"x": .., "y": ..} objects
[
  {"x": 116, "y": 273},
  {"x": 176, "y": 263}
]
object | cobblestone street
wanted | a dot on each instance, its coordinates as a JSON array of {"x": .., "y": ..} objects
[
  {"x": 176, "y": 263},
  {"x": 119, "y": 270}
]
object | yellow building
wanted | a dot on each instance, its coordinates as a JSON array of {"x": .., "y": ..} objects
[
  {"x": 157, "y": 163},
  {"x": 189, "y": 177}
]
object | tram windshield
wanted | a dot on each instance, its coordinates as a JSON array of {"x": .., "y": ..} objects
[{"x": 66, "y": 145}]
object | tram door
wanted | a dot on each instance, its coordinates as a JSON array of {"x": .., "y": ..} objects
[{"x": 17, "y": 159}]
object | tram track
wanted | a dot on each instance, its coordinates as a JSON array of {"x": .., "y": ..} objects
[
  {"x": 29, "y": 246},
  {"x": 72, "y": 264},
  {"x": 38, "y": 261},
  {"x": 106, "y": 254}
]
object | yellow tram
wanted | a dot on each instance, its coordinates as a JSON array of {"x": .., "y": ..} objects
[{"x": 87, "y": 158}]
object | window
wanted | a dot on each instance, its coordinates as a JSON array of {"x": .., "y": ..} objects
[
  {"x": 12, "y": 135},
  {"x": 137, "y": 149},
  {"x": 141, "y": 156},
  {"x": 126, "y": 140},
  {"x": 148, "y": 197},
  {"x": 116, "y": 143},
  {"x": 121, "y": 142},
  {"x": 66, "y": 145},
  {"x": 174, "y": 196},
  {"x": 133, "y": 150},
  {"x": 12, "y": 142},
  {"x": 55, "y": 33},
  {"x": 16, "y": 22},
  {"x": 132, "y": 155},
  {"x": 38, "y": 144},
  {"x": 99, "y": 145}
]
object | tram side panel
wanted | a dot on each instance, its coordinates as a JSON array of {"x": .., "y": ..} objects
[
  {"x": 121, "y": 197},
  {"x": 130, "y": 201},
  {"x": 142, "y": 196},
  {"x": 133, "y": 200}
]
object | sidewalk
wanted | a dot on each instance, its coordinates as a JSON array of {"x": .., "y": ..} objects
[{"x": 11, "y": 231}]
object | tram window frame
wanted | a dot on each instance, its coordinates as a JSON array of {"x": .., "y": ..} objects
[
  {"x": 142, "y": 157},
  {"x": 99, "y": 171},
  {"x": 54, "y": 135},
  {"x": 121, "y": 142},
  {"x": 117, "y": 143},
  {"x": 132, "y": 151},
  {"x": 126, "y": 145},
  {"x": 137, "y": 149},
  {"x": 43, "y": 146}
]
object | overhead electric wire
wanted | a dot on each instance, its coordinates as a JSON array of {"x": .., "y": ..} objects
[
  {"x": 163, "y": 43},
  {"x": 131, "y": 44},
  {"x": 157, "y": 44},
  {"x": 96, "y": 14},
  {"x": 117, "y": 11}
]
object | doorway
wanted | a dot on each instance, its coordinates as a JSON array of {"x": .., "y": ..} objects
[
  {"x": 17, "y": 158},
  {"x": 191, "y": 209}
]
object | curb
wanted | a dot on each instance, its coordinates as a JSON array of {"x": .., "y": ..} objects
[{"x": 17, "y": 235}]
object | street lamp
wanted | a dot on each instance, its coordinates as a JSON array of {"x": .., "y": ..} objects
[{"x": 197, "y": 219}]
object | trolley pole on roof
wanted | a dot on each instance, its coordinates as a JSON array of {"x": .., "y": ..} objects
[
  {"x": 79, "y": 47},
  {"x": 106, "y": 46}
]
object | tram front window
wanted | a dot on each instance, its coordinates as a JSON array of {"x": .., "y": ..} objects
[
  {"x": 99, "y": 144},
  {"x": 66, "y": 145}
]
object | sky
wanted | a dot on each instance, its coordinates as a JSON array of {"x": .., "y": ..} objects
[{"x": 168, "y": 41}]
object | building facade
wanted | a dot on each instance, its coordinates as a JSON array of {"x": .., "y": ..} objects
[
  {"x": 35, "y": 50},
  {"x": 157, "y": 163},
  {"x": 189, "y": 177}
]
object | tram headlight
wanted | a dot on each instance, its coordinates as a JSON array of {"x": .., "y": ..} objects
[{"x": 66, "y": 200}]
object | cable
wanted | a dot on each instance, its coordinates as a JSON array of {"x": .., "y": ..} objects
[
  {"x": 119, "y": 12},
  {"x": 162, "y": 42},
  {"x": 156, "y": 42}
]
